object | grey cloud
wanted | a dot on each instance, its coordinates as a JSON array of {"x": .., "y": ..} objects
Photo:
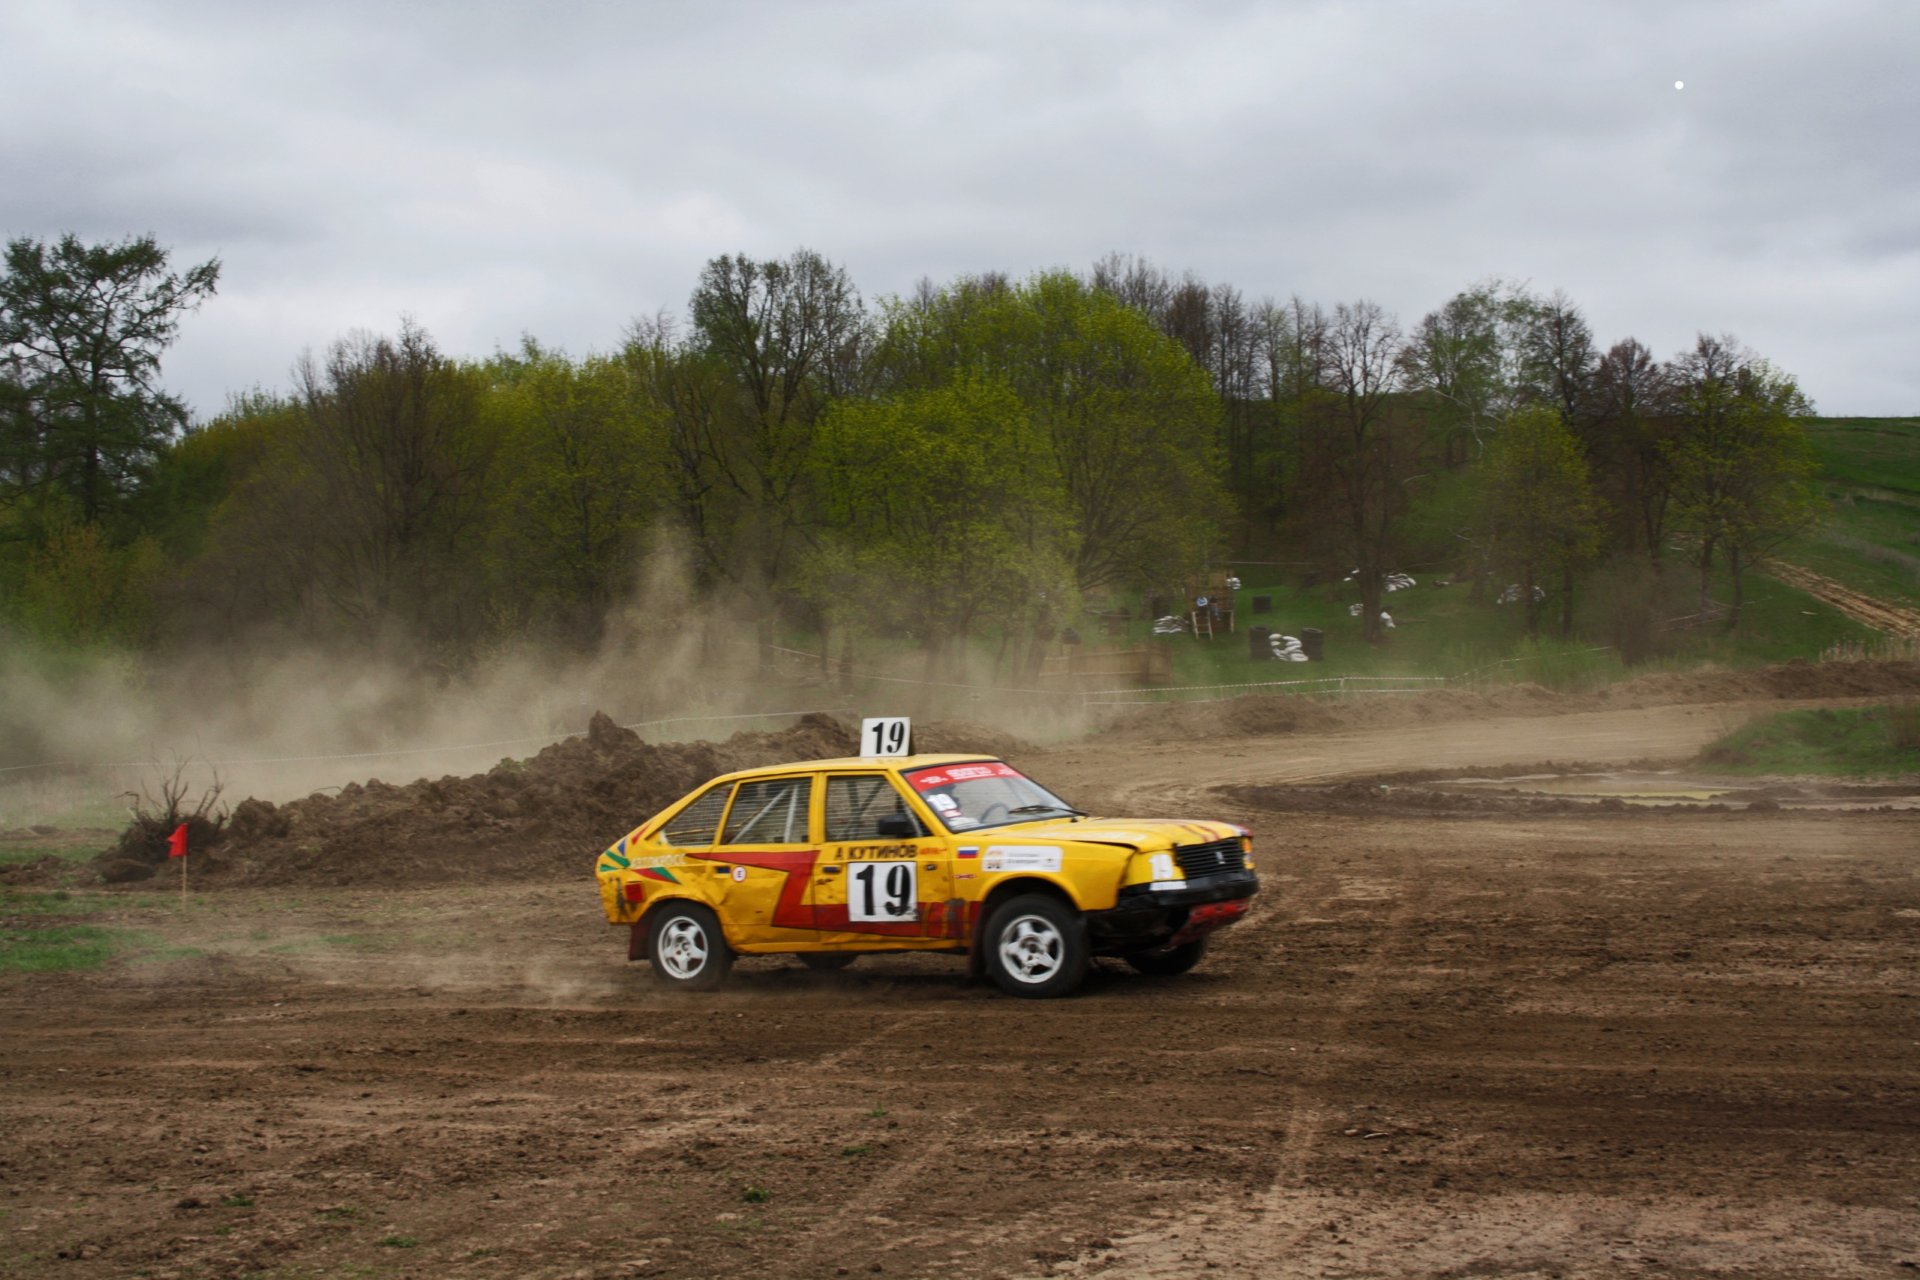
[{"x": 495, "y": 167}]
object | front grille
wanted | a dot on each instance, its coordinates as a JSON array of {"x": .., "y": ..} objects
[{"x": 1210, "y": 859}]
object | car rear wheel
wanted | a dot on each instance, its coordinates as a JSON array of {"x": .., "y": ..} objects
[
  {"x": 828, "y": 961},
  {"x": 1036, "y": 946},
  {"x": 688, "y": 950},
  {"x": 1167, "y": 962}
]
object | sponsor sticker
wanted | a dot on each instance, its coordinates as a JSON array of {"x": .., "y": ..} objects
[
  {"x": 739, "y": 874},
  {"x": 947, "y": 775},
  {"x": 1022, "y": 857}
]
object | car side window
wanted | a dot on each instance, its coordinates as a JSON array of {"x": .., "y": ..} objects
[
  {"x": 770, "y": 812},
  {"x": 856, "y": 804},
  {"x": 696, "y": 825}
]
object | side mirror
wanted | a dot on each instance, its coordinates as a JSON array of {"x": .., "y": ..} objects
[{"x": 899, "y": 826}]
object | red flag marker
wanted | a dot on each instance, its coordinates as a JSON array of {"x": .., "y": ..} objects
[{"x": 177, "y": 842}]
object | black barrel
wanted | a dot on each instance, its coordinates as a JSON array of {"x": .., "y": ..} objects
[
  {"x": 1310, "y": 642},
  {"x": 1260, "y": 644},
  {"x": 1263, "y": 604}
]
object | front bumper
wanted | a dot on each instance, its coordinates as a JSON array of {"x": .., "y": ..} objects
[{"x": 1145, "y": 916}]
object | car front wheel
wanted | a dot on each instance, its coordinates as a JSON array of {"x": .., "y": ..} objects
[
  {"x": 688, "y": 950},
  {"x": 1036, "y": 946}
]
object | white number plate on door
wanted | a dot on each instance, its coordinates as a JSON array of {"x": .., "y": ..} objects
[{"x": 883, "y": 891}]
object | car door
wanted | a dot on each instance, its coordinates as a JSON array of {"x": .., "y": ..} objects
[
  {"x": 766, "y": 854},
  {"x": 871, "y": 889}
]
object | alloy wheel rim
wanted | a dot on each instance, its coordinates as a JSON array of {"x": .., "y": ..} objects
[
  {"x": 1032, "y": 949},
  {"x": 683, "y": 948}
]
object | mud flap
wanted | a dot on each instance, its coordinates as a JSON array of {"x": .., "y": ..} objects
[
  {"x": 637, "y": 942},
  {"x": 976, "y": 958}
]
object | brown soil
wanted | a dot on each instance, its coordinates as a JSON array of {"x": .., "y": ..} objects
[{"x": 1485, "y": 1043}]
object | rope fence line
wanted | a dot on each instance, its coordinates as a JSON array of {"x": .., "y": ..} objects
[
  {"x": 1507, "y": 662},
  {"x": 1342, "y": 685}
]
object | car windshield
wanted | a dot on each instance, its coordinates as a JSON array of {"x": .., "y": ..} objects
[{"x": 984, "y": 793}]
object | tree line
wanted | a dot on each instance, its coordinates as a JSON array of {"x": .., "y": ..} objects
[{"x": 977, "y": 458}]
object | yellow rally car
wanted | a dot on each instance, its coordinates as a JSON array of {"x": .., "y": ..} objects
[{"x": 832, "y": 859}]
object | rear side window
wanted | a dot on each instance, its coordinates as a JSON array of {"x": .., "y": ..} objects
[
  {"x": 695, "y": 825},
  {"x": 771, "y": 812},
  {"x": 856, "y": 804}
]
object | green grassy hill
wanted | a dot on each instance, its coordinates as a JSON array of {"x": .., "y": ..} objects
[{"x": 1869, "y": 535}]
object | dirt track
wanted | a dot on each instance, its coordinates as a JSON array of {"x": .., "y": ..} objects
[
  {"x": 1862, "y": 608},
  {"x": 1587, "y": 1044}
]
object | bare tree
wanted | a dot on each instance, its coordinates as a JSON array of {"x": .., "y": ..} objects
[
  {"x": 1360, "y": 450},
  {"x": 1556, "y": 355},
  {"x": 1629, "y": 425},
  {"x": 793, "y": 335},
  {"x": 383, "y": 481}
]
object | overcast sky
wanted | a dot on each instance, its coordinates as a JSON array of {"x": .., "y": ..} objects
[{"x": 495, "y": 169}]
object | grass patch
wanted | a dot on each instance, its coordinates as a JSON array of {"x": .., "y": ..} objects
[
  {"x": 398, "y": 1242},
  {"x": 1868, "y": 535},
  {"x": 52, "y": 950},
  {"x": 38, "y": 932},
  {"x": 65, "y": 846},
  {"x": 60, "y": 902},
  {"x": 1863, "y": 742}
]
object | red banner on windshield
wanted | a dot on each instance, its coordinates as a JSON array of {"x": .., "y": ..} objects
[{"x": 947, "y": 775}]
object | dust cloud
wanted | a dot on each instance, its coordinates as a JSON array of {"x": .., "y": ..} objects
[{"x": 79, "y": 732}]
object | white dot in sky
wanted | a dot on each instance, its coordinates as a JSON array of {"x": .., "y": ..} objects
[{"x": 1679, "y": 84}]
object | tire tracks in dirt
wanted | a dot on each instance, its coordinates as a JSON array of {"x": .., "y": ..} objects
[
  {"x": 1257, "y": 1238},
  {"x": 1862, "y": 608}
]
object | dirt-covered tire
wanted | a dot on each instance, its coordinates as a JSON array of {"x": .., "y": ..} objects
[
  {"x": 828, "y": 961},
  {"x": 687, "y": 949},
  {"x": 1036, "y": 946},
  {"x": 1168, "y": 962}
]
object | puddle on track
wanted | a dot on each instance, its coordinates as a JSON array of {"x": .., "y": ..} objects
[{"x": 1671, "y": 788}]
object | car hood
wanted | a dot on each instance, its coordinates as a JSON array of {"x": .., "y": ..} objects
[{"x": 1137, "y": 833}]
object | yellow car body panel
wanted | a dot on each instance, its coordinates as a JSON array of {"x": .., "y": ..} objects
[{"x": 790, "y": 859}]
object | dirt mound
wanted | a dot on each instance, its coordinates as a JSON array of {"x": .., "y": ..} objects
[
  {"x": 523, "y": 819},
  {"x": 1796, "y": 679},
  {"x": 937, "y": 737},
  {"x": 1259, "y": 716}
]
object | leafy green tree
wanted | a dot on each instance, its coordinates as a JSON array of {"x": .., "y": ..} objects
[
  {"x": 944, "y": 505},
  {"x": 579, "y": 454},
  {"x": 1129, "y": 420},
  {"x": 1453, "y": 359},
  {"x": 82, "y": 589},
  {"x": 82, "y": 330},
  {"x": 1539, "y": 509},
  {"x": 1742, "y": 468}
]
